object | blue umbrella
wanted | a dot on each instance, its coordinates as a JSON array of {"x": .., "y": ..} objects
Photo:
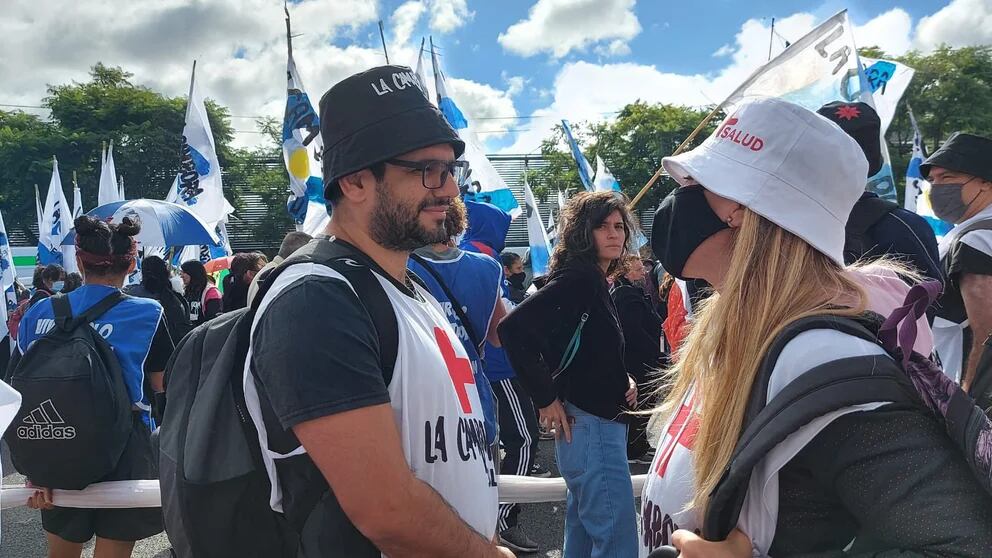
[{"x": 162, "y": 223}]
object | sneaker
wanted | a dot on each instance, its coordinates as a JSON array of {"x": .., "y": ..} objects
[
  {"x": 538, "y": 471},
  {"x": 644, "y": 459},
  {"x": 517, "y": 540}
]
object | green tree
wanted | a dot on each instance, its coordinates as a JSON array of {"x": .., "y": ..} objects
[
  {"x": 950, "y": 91},
  {"x": 145, "y": 127},
  {"x": 632, "y": 147}
]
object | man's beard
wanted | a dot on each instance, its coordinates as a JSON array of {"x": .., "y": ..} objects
[{"x": 397, "y": 227}]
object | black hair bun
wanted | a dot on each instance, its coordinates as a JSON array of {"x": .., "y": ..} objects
[
  {"x": 85, "y": 225},
  {"x": 128, "y": 227}
]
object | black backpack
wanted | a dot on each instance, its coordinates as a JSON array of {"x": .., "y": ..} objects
[
  {"x": 75, "y": 416},
  {"x": 215, "y": 489},
  {"x": 908, "y": 379},
  {"x": 864, "y": 215}
]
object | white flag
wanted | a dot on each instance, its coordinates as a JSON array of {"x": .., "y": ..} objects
[
  {"x": 198, "y": 184},
  {"x": 888, "y": 81},
  {"x": 821, "y": 67},
  {"x": 536, "y": 235},
  {"x": 120, "y": 182},
  {"x": 54, "y": 222},
  {"x": 69, "y": 251},
  {"x": 108, "y": 192},
  {"x": 7, "y": 274}
]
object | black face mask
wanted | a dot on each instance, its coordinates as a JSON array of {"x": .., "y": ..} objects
[
  {"x": 683, "y": 221},
  {"x": 517, "y": 279}
]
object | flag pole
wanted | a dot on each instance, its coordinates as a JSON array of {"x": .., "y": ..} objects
[
  {"x": 771, "y": 37},
  {"x": 382, "y": 35},
  {"x": 679, "y": 149}
]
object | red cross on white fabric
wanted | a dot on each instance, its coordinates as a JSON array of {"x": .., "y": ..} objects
[{"x": 459, "y": 369}]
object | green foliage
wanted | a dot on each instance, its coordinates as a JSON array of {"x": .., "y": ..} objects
[
  {"x": 951, "y": 91},
  {"x": 145, "y": 127},
  {"x": 632, "y": 147}
]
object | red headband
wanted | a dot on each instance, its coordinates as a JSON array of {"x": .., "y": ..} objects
[{"x": 90, "y": 259}]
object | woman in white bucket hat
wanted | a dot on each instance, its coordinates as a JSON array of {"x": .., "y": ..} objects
[{"x": 760, "y": 215}]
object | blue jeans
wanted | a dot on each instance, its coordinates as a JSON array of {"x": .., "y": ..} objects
[{"x": 599, "y": 519}]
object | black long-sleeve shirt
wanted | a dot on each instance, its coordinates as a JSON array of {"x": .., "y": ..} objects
[{"x": 535, "y": 334}]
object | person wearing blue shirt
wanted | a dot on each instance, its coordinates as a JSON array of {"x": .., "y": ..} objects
[{"x": 140, "y": 339}]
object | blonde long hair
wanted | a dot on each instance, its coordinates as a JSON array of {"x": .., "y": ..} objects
[{"x": 774, "y": 278}]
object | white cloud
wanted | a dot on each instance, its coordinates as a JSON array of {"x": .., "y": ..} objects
[
  {"x": 448, "y": 15},
  {"x": 891, "y": 31},
  {"x": 405, "y": 20},
  {"x": 614, "y": 49},
  {"x": 619, "y": 84},
  {"x": 560, "y": 26},
  {"x": 960, "y": 23}
]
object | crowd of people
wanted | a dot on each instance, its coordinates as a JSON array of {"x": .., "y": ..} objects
[{"x": 388, "y": 371}]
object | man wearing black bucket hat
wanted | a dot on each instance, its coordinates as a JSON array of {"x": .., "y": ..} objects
[
  {"x": 880, "y": 228},
  {"x": 376, "y": 437},
  {"x": 960, "y": 173}
]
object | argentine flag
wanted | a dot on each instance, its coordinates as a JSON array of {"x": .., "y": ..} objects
[
  {"x": 537, "y": 236},
  {"x": 918, "y": 189},
  {"x": 494, "y": 189},
  {"x": 55, "y": 221},
  {"x": 301, "y": 146},
  {"x": 585, "y": 169},
  {"x": 604, "y": 181}
]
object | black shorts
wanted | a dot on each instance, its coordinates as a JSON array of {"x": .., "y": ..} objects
[{"x": 129, "y": 524}]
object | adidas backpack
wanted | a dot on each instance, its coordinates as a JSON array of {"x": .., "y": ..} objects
[
  {"x": 75, "y": 415},
  {"x": 215, "y": 489}
]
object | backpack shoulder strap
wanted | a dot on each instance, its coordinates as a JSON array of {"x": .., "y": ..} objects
[
  {"x": 759, "y": 389},
  {"x": 101, "y": 308},
  {"x": 469, "y": 328},
  {"x": 831, "y": 386},
  {"x": 357, "y": 269}
]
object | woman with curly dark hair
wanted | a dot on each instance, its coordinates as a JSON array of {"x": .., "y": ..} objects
[{"x": 566, "y": 345}]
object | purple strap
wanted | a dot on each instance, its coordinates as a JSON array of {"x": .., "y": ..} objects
[{"x": 892, "y": 334}]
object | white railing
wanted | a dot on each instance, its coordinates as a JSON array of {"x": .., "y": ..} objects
[{"x": 145, "y": 493}]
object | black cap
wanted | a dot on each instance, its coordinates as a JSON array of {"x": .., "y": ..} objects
[
  {"x": 376, "y": 115},
  {"x": 963, "y": 152},
  {"x": 862, "y": 123}
]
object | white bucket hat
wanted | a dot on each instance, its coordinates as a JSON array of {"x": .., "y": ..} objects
[{"x": 790, "y": 165}]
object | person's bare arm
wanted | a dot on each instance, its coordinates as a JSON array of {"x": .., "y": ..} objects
[
  {"x": 498, "y": 314},
  {"x": 359, "y": 453},
  {"x": 976, "y": 290},
  {"x": 157, "y": 381}
]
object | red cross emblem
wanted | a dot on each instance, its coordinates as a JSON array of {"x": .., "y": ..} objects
[
  {"x": 459, "y": 369},
  {"x": 682, "y": 432}
]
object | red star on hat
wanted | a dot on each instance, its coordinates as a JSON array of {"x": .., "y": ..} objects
[{"x": 848, "y": 112}]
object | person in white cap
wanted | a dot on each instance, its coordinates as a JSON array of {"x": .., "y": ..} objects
[{"x": 760, "y": 215}]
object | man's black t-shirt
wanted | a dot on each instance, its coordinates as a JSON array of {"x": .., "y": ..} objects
[{"x": 315, "y": 353}]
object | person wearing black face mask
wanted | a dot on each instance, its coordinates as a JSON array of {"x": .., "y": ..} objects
[
  {"x": 513, "y": 269},
  {"x": 961, "y": 176}
]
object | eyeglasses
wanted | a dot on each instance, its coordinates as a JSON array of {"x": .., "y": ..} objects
[{"x": 435, "y": 174}]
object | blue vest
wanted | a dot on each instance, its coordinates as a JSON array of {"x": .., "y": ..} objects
[
  {"x": 476, "y": 280},
  {"x": 129, "y": 328}
]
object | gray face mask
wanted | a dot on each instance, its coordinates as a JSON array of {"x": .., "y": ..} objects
[{"x": 945, "y": 199}]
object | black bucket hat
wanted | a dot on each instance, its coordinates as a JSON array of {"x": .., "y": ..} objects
[
  {"x": 861, "y": 122},
  {"x": 376, "y": 115},
  {"x": 963, "y": 152}
]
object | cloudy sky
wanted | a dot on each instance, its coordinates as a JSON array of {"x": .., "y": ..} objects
[{"x": 514, "y": 66}]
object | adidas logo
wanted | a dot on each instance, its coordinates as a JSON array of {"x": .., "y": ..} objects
[{"x": 45, "y": 423}]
